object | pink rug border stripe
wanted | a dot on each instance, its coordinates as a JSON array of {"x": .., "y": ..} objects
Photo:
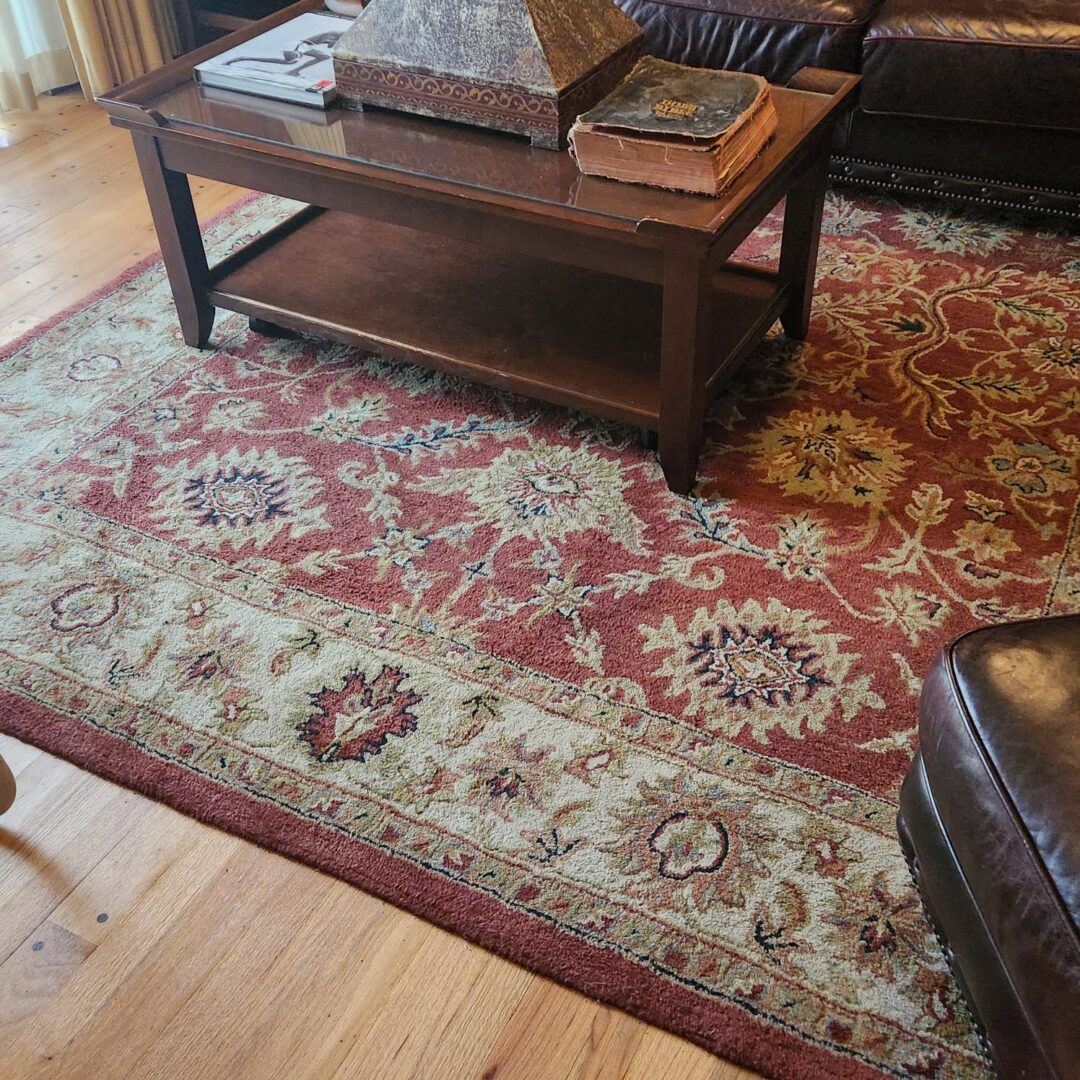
[{"x": 724, "y": 1029}]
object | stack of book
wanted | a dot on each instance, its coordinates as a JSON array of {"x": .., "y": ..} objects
[
  {"x": 683, "y": 128},
  {"x": 292, "y": 62}
]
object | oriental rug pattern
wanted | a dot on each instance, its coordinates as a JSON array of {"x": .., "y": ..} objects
[{"x": 467, "y": 651}]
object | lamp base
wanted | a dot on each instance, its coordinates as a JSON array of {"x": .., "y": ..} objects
[
  {"x": 544, "y": 118},
  {"x": 524, "y": 66}
]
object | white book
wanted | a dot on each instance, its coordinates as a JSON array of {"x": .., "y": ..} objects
[{"x": 292, "y": 62}]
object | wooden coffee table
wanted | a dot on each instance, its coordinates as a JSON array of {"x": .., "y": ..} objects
[{"x": 473, "y": 252}]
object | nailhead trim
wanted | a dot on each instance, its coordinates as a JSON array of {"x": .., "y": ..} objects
[
  {"x": 981, "y": 1038},
  {"x": 931, "y": 184},
  {"x": 953, "y": 176}
]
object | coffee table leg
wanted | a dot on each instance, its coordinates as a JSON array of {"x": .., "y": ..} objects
[
  {"x": 686, "y": 337},
  {"x": 181, "y": 241},
  {"x": 799, "y": 250}
]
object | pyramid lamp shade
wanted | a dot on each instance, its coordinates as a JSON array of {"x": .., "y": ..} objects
[{"x": 524, "y": 66}]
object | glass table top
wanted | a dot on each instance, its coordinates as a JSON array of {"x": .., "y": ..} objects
[{"x": 487, "y": 165}]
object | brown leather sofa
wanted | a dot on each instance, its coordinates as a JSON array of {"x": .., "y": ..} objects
[
  {"x": 972, "y": 99},
  {"x": 990, "y": 819}
]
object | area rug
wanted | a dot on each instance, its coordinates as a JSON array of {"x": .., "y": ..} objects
[{"x": 467, "y": 651}]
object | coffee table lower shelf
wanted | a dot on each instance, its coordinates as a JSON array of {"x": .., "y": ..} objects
[{"x": 552, "y": 331}]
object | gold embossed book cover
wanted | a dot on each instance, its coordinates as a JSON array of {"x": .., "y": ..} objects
[{"x": 690, "y": 129}]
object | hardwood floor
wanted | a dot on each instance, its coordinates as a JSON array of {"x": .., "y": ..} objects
[{"x": 135, "y": 942}]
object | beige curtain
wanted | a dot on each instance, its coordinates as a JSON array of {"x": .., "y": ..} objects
[
  {"x": 113, "y": 41},
  {"x": 34, "y": 56}
]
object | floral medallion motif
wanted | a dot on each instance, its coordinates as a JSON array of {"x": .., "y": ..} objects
[
  {"x": 234, "y": 414},
  {"x": 163, "y": 416},
  {"x": 511, "y": 776},
  {"x": 844, "y": 265},
  {"x": 877, "y": 924},
  {"x": 547, "y": 492},
  {"x": 689, "y": 845},
  {"x": 85, "y": 607},
  {"x": 347, "y": 422},
  {"x": 353, "y": 720},
  {"x": 1059, "y": 355},
  {"x": 683, "y": 849},
  {"x": 759, "y": 668},
  {"x": 831, "y": 457},
  {"x": 844, "y": 216},
  {"x": 238, "y": 498},
  {"x": 943, "y": 231},
  {"x": 985, "y": 541},
  {"x": 1031, "y": 468},
  {"x": 97, "y": 368}
]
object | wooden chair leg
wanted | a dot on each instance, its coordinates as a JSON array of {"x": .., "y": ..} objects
[{"x": 7, "y": 786}]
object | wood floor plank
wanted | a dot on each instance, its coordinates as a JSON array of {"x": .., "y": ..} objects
[
  {"x": 219, "y": 928},
  {"x": 661, "y": 1053},
  {"x": 34, "y": 972},
  {"x": 56, "y": 115},
  {"x": 18, "y": 755},
  {"x": 14, "y": 328},
  {"x": 57, "y": 152},
  {"x": 62, "y": 824},
  {"x": 141, "y": 953},
  {"x": 553, "y": 1033},
  {"x": 217, "y": 959},
  {"x": 70, "y": 227},
  {"x": 118, "y": 883},
  {"x": 333, "y": 952},
  {"x": 20, "y": 131},
  {"x": 77, "y": 201},
  {"x": 361, "y": 967},
  {"x": 457, "y": 987}
]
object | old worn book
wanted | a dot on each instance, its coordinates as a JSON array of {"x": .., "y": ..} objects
[{"x": 688, "y": 129}]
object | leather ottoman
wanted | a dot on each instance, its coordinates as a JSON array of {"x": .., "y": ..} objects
[{"x": 990, "y": 821}]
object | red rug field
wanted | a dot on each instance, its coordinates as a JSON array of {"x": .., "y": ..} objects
[{"x": 467, "y": 651}]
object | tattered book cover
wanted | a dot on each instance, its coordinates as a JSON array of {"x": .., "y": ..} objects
[{"x": 679, "y": 102}]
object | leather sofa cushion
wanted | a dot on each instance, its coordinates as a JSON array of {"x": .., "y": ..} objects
[
  {"x": 1014, "y": 62},
  {"x": 774, "y": 38},
  {"x": 1000, "y": 739}
]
